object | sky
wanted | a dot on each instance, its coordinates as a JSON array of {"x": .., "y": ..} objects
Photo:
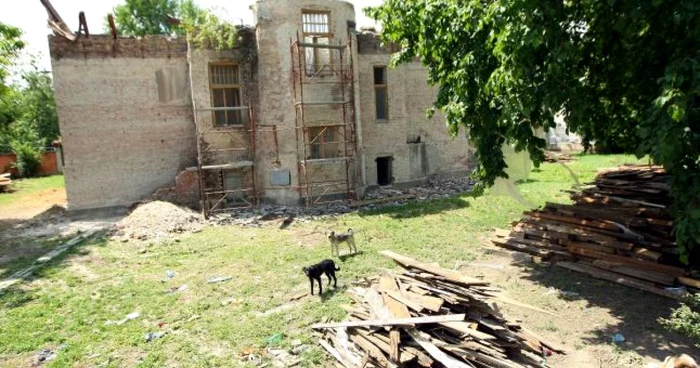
[{"x": 30, "y": 16}]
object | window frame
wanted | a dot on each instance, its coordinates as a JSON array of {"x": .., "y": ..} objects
[
  {"x": 322, "y": 142},
  {"x": 381, "y": 86},
  {"x": 236, "y": 87},
  {"x": 312, "y": 69}
]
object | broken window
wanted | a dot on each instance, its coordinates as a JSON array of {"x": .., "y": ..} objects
[
  {"x": 224, "y": 83},
  {"x": 381, "y": 97},
  {"x": 316, "y": 30},
  {"x": 324, "y": 142}
]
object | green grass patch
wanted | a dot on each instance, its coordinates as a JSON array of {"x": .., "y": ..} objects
[
  {"x": 70, "y": 300},
  {"x": 22, "y": 188}
]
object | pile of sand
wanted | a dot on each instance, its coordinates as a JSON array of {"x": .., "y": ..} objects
[{"x": 157, "y": 220}]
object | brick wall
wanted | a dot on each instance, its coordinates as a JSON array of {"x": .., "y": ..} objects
[
  {"x": 409, "y": 97},
  {"x": 125, "y": 117},
  {"x": 49, "y": 164}
]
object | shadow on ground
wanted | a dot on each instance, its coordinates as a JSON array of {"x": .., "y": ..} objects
[
  {"x": 419, "y": 209},
  {"x": 637, "y": 311}
]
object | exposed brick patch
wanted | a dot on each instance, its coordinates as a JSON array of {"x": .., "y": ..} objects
[{"x": 184, "y": 193}]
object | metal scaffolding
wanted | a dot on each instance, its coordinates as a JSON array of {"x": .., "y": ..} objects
[
  {"x": 332, "y": 80},
  {"x": 216, "y": 158}
]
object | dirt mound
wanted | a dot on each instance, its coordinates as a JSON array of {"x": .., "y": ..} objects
[{"x": 157, "y": 220}]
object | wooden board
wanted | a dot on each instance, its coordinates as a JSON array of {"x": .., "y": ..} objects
[
  {"x": 667, "y": 270},
  {"x": 451, "y": 275},
  {"x": 393, "y": 321},
  {"x": 646, "y": 275},
  {"x": 614, "y": 277}
]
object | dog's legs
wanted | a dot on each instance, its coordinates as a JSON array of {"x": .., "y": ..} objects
[
  {"x": 312, "y": 285},
  {"x": 329, "y": 277},
  {"x": 353, "y": 248},
  {"x": 320, "y": 285},
  {"x": 335, "y": 280}
]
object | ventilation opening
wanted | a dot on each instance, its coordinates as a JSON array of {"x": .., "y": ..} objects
[{"x": 384, "y": 170}]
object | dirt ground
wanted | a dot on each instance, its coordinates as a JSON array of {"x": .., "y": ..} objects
[{"x": 31, "y": 206}]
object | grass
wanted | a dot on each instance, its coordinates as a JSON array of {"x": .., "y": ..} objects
[
  {"x": 70, "y": 300},
  {"x": 22, "y": 188}
]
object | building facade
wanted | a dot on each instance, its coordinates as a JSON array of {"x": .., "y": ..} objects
[{"x": 303, "y": 110}]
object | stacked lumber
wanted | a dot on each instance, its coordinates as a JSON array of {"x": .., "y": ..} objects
[
  {"x": 553, "y": 156},
  {"x": 5, "y": 182},
  {"x": 618, "y": 229},
  {"x": 428, "y": 316}
]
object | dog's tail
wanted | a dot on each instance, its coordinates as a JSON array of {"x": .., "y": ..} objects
[
  {"x": 350, "y": 231},
  {"x": 337, "y": 268}
]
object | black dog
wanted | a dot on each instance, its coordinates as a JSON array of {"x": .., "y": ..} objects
[{"x": 314, "y": 272}]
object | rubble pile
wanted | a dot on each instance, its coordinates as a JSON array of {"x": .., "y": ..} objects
[
  {"x": 157, "y": 220},
  {"x": 435, "y": 188}
]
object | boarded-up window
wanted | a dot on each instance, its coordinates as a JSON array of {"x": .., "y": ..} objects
[
  {"x": 381, "y": 96},
  {"x": 224, "y": 83},
  {"x": 324, "y": 142},
  {"x": 233, "y": 181},
  {"x": 316, "y": 30}
]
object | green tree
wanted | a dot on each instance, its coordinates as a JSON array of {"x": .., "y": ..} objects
[
  {"x": 145, "y": 17},
  {"x": 10, "y": 46},
  {"x": 622, "y": 71},
  {"x": 39, "y": 105},
  {"x": 151, "y": 17}
]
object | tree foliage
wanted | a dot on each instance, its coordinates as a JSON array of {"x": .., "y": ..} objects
[
  {"x": 10, "y": 46},
  {"x": 150, "y": 17},
  {"x": 621, "y": 71}
]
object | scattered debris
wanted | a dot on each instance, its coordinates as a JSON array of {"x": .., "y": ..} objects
[
  {"x": 47, "y": 355},
  {"x": 618, "y": 229},
  {"x": 252, "y": 355},
  {"x": 281, "y": 358},
  {"x": 218, "y": 279},
  {"x": 228, "y": 301},
  {"x": 266, "y": 215},
  {"x": 618, "y": 338},
  {"x": 154, "y": 335},
  {"x": 176, "y": 289},
  {"x": 431, "y": 316},
  {"x": 129, "y": 317},
  {"x": 157, "y": 220},
  {"x": 170, "y": 274}
]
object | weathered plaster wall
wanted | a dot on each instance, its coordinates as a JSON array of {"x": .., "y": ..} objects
[
  {"x": 409, "y": 97},
  {"x": 277, "y": 24},
  {"x": 125, "y": 117}
]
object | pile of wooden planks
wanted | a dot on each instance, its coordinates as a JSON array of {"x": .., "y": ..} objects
[
  {"x": 428, "y": 316},
  {"x": 5, "y": 182},
  {"x": 618, "y": 229}
]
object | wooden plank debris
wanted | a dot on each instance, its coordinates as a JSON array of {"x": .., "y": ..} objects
[
  {"x": 393, "y": 322},
  {"x": 430, "y": 316},
  {"x": 619, "y": 225}
]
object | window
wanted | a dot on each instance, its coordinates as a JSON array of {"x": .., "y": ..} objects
[
  {"x": 224, "y": 83},
  {"x": 381, "y": 98},
  {"x": 233, "y": 181},
  {"x": 324, "y": 142},
  {"x": 316, "y": 30}
]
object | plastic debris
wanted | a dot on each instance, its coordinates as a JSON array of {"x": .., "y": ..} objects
[
  {"x": 618, "y": 338},
  {"x": 47, "y": 355},
  {"x": 176, "y": 289},
  {"x": 228, "y": 301},
  {"x": 218, "y": 279},
  {"x": 274, "y": 339},
  {"x": 154, "y": 335},
  {"x": 129, "y": 317},
  {"x": 680, "y": 291},
  {"x": 170, "y": 274}
]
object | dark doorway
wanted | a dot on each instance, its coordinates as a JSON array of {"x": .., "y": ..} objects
[{"x": 384, "y": 170}]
